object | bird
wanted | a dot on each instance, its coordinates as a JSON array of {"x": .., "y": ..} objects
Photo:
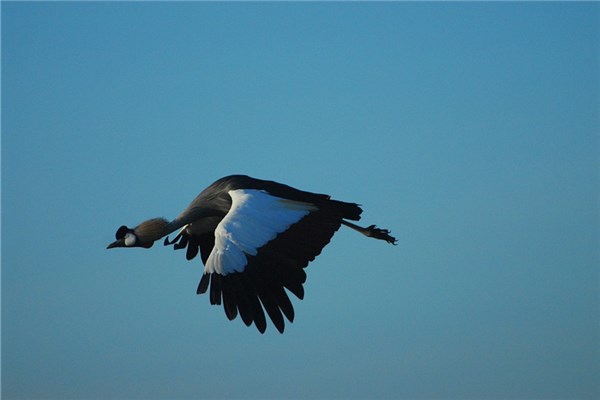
[{"x": 255, "y": 238}]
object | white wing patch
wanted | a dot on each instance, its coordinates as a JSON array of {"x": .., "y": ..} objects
[{"x": 255, "y": 218}]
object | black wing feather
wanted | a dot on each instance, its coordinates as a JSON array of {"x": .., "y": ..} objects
[
  {"x": 215, "y": 289},
  {"x": 230, "y": 301},
  {"x": 244, "y": 303},
  {"x": 203, "y": 285}
]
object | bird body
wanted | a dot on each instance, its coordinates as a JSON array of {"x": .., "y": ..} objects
[{"x": 255, "y": 237}]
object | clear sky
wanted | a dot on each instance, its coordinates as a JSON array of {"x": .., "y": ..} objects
[{"x": 468, "y": 129}]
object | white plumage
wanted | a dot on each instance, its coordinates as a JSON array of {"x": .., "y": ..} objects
[{"x": 255, "y": 218}]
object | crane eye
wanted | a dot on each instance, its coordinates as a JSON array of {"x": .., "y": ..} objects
[{"x": 130, "y": 239}]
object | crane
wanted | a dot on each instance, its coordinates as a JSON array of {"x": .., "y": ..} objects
[{"x": 255, "y": 237}]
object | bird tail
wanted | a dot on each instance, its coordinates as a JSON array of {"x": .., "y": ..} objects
[{"x": 350, "y": 211}]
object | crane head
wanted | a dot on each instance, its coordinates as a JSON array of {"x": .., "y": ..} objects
[{"x": 142, "y": 235}]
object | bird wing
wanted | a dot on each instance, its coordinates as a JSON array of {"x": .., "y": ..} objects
[
  {"x": 261, "y": 248},
  {"x": 256, "y": 249}
]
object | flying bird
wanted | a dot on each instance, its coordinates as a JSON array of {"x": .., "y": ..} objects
[{"x": 255, "y": 237}]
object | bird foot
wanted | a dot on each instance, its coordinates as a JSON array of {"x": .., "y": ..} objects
[{"x": 381, "y": 234}]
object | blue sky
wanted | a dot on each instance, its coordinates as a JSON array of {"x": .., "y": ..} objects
[{"x": 468, "y": 129}]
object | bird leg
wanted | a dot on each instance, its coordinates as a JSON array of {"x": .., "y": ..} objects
[{"x": 373, "y": 231}]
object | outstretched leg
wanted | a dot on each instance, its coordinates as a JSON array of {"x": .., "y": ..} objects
[{"x": 373, "y": 231}]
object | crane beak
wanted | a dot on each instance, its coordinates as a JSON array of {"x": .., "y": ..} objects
[{"x": 116, "y": 243}]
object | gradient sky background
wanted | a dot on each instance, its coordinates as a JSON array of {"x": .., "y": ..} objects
[{"x": 469, "y": 129}]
